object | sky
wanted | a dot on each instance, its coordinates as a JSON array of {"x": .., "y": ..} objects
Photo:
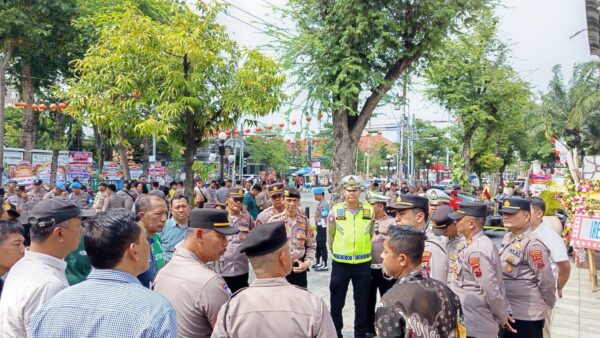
[{"x": 538, "y": 32}]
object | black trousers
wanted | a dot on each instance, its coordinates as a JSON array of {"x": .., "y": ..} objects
[
  {"x": 378, "y": 282},
  {"x": 321, "y": 255},
  {"x": 237, "y": 282},
  {"x": 298, "y": 279},
  {"x": 525, "y": 329},
  {"x": 341, "y": 275}
]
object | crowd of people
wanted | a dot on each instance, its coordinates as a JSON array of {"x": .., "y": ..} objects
[{"x": 153, "y": 261}]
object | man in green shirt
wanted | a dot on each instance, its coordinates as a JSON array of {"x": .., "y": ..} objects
[{"x": 250, "y": 201}]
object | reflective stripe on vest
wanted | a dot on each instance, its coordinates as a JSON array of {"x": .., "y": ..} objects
[{"x": 353, "y": 243}]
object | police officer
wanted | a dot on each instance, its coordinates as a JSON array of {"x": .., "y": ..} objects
[
  {"x": 349, "y": 234},
  {"x": 302, "y": 239},
  {"x": 35, "y": 195},
  {"x": 56, "y": 192},
  {"x": 381, "y": 222},
  {"x": 443, "y": 225},
  {"x": 477, "y": 275},
  {"x": 233, "y": 265},
  {"x": 11, "y": 187},
  {"x": 435, "y": 261},
  {"x": 436, "y": 198},
  {"x": 321, "y": 213},
  {"x": 413, "y": 210},
  {"x": 271, "y": 307},
  {"x": 528, "y": 279},
  {"x": 196, "y": 292},
  {"x": 276, "y": 197}
]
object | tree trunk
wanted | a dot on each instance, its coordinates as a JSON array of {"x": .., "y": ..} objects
[
  {"x": 99, "y": 147},
  {"x": 466, "y": 153},
  {"x": 10, "y": 45},
  {"x": 145, "y": 156},
  {"x": 108, "y": 148},
  {"x": 56, "y": 147},
  {"x": 123, "y": 155},
  {"x": 29, "y": 126},
  {"x": 191, "y": 134},
  {"x": 345, "y": 143}
]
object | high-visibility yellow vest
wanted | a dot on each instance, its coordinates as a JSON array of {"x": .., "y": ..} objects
[{"x": 352, "y": 240}]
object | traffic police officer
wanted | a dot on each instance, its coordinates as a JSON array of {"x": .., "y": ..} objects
[
  {"x": 349, "y": 234},
  {"x": 271, "y": 307},
  {"x": 321, "y": 213},
  {"x": 276, "y": 197},
  {"x": 233, "y": 265},
  {"x": 196, "y": 292},
  {"x": 436, "y": 198},
  {"x": 381, "y": 222},
  {"x": 303, "y": 242},
  {"x": 477, "y": 275},
  {"x": 528, "y": 279}
]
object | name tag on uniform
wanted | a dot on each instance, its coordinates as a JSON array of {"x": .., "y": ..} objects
[
  {"x": 367, "y": 214},
  {"x": 340, "y": 214}
]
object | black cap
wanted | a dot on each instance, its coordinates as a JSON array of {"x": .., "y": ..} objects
[
  {"x": 469, "y": 209},
  {"x": 235, "y": 192},
  {"x": 11, "y": 209},
  {"x": 54, "y": 211},
  {"x": 21, "y": 188},
  {"x": 264, "y": 239},
  {"x": 514, "y": 205},
  {"x": 291, "y": 192},
  {"x": 37, "y": 182},
  {"x": 408, "y": 202},
  {"x": 440, "y": 217},
  {"x": 275, "y": 189},
  {"x": 214, "y": 219}
]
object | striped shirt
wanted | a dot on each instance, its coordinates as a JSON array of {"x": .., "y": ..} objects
[{"x": 110, "y": 303}]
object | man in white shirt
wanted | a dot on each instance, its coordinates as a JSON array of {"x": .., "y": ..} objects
[
  {"x": 558, "y": 252},
  {"x": 37, "y": 277}
]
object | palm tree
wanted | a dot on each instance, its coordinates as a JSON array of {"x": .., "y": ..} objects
[{"x": 572, "y": 111}]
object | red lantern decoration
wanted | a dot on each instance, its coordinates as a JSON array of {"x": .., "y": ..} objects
[
  {"x": 62, "y": 106},
  {"x": 269, "y": 127},
  {"x": 53, "y": 106},
  {"x": 320, "y": 115},
  {"x": 42, "y": 107},
  {"x": 247, "y": 131},
  {"x": 34, "y": 106},
  {"x": 228, "y": 133},
  {"x": 258, "y": 130},
  {"x": 237, "y": 132},
  {"x": 293, "y": 122},
  {"x": 281, "y": 125}
]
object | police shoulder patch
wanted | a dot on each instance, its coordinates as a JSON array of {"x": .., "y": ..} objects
[
  {"x": 425, "y": 260},
  {"x": 537, "y": 258},
  {"x": 475, "y": 267}
]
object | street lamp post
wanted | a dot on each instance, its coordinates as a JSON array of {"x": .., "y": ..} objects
[
  {"x": 427, "y": 171},
  {"x": 388, "y": 161},
  {"x": 220, "y": 143}
]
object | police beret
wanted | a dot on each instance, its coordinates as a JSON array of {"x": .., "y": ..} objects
[
  {"x": 264, "y": 239},
  {"x": 406, "y": 201},
  {"x": 318, "y": 191},
  {"x": 469, "y": 209},
  {"x": 440, "y": 218},
  {"x": 514, "y": 205},
  {"x": 76, "y": 185},
  {"x": 214, "y": 219},
  {"x": 291, "y": 192},
  {"x": 235, "y": 192},
  {"x": 275, "y": 189}
]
